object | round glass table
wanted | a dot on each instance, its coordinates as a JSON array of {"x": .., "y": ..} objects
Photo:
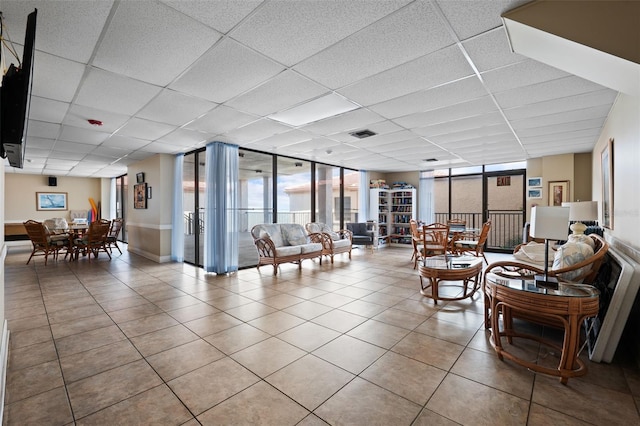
[
  {"x": 565, "y": 308},
  {"x": 436, "y": 269}
]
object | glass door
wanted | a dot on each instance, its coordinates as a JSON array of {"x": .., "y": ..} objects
[{"x": 505, "y": 208}]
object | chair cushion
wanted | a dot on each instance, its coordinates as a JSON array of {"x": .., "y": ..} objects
[
  {"x": 310, "y": 248},
  {"x": 532, "y": 252},
  {"x": 570, "y": 254},
  {"x": 293, "y": 234},
  {"x": 315, "y": 227},
  {"x": 288, "y": 250},
  {"x": 270, "y": 230},
  {"x": 341, "y": 243}
]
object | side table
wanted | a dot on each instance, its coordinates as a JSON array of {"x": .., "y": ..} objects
[
  {"x": 566, "y": 307},
  {"x": 435, "y": 269}
]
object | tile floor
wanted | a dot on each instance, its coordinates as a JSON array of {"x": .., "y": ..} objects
[{"x": 130, "y": 341}]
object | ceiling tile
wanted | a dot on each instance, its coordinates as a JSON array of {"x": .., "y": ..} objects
[
  {"x": 73, "y": 147},
  {"x": 491, "y": 50},
  {"x": 593, "y": 99},
  {"x": 256, "y": 130},
  {"x": 282, "y": 91},
  {"x": 308, "y": 27},
  {"x": 162, "y": 148},
  {"x": 43, "y": 109},
  {"x": 124, "y": 96},
  {"x": 69, "y": 29},
  {"x": 221, "y": 120},
  {"x": 117, "y": 141},
  {"x": 42, "y": 129},
  {"x": 473, "y": 108},
  {"x": 352, "y": 120},
  {"x": 55, "y": 78},
  {"x": 407, "y": 34},
  {"x": 521, "y": 74},
  {"x": 133, "y": 46},
  {"x": 226, "y": 71},
  {"x": 79, "y": 116},
  {"x": 75, "y": 134},
  {"x": 281, "y": 139},
  {"x": 184, "y": 138},
  {"x": 175, "y": 108},
  {"x": 467, "y": 123},
  {"x": 221, "y": 15},
  {"x": 145, "y": 129},
  {"x": 425, "y": 100},
  {"x": 428, "y": 71},
  {"x": 597, "y": 113}
]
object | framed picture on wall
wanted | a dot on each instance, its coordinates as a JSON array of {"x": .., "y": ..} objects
[
  {"x": 51, "y": 201},
  {"x": 558, "y": 192},
  {"x": 534, "y": 182},
  {"x": 140, "y": 177},
  {"x": 140, "y": 196},
  {"x": 606, "y": 160},
  {"x": 534, "y": 193}
]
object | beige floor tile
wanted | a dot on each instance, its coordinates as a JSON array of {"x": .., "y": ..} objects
[
  {"x": 429, "y": 418},
  {"x": 28, "y": 322},
  {"x": 91, "y": 362},
  {"x": 105, "y": 389},
  {"x": 211, "y": 324},
  {"x": 542, "y": 416},
  {"x": 310, "y": 381},
  {"x": 146, "y": 325},
  {"x": 340, "y": 321},
  {"x": 192, "y": 312},
  {"x": 423, "y": 306},
  {"x": 136, "y": 312},
  {"x": 333, "y": 300},
  {"x": 384, "y": 299},
  {"x": 268, "y": 356},
  {"x": 250, "y": 311},
  {"x": 75, "y": 314},
  {"x": 306, "y": 292},
  {"x": 50, "y": 407},
  {"x": 445, "y": 330},
  {"x": 81, "y": 342},
  {"x": 161, "y": 340},
  {"x": 228, "y": 302},
  {"x": 276, "y": 322},
  {"x": 259, "y": 293},
  {"x": 406, "y": 377},
  {"x": 307, "y": 310},
  {"x": 312, "y": 420},
  {"x": 21, "y": 339},
  {"x": 87, "y": 324},
  {"x": 119, "y": 304},
  {"x": 430, "y": 350},
  {"x": 308, "y": 336},
  {"x": 177, "y": 361},
  {"x": 362, "y": 308},
  {"x": 353, "y": 292},
  {"x": 349, "y": 353},
  {"x": 379, "y": 333},
  {"x": 585, "y": 401},
  {"x": 361, "y": 402},
  {"x": 259, "y": 404},
  {"x": 177, "y": 302},
  {"x": 468, "y": 402},
  {"x": 30, "y": 381},
  {"x": 155, "y": 406},
  {"x": 207, "y": 386},
  {"x": 282, "y": 301},
  {"x": 29, "y": 356},
  {"x": 237, "y": 338},
  {"x": 400, "y": 318}
]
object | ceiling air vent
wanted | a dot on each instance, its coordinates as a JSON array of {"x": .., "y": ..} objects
[
  {"x": 361, "y": 134},
  {"x": 430, "y": 159}
]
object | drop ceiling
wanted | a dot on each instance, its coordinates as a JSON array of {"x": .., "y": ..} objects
[{"x": 433, "y": 79}]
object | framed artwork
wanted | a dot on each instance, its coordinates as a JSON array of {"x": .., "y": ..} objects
[
  {"x": 534, "y": 193},
  {"x": 558, "y": 192},
  {"x": 606, "y": 162},
  {"x": 51, "y": 201},
  {"x": 140, "y": 196},
  {"x": 139, "y": 177},
  {"x": 534, "y": 182}
]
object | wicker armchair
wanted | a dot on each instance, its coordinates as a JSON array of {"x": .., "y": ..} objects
[
  {"x": 43, "y": 243},
  {"x": 333, "y": 242},
  {"x": 94, "y": 241}
]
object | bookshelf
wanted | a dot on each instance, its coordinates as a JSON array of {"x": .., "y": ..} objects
[
  {"x": 380, "y": 212},
  {"x": 403, "y": 209}
]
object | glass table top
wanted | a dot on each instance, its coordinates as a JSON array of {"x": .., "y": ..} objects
[
  {"x": 450, "y": 261},
  {"x": 564, "y": 289}
]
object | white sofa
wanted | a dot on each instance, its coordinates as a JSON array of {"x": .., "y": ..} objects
[{"x": 282, "y": 243}]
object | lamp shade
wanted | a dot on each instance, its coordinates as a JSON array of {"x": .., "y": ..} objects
[
  {"x": 549, "y": 223},
  {"x": 583, "y": 211}
]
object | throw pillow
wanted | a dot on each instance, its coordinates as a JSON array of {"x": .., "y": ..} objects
[
  {"x": 532, "y": 252},
  {"x": 581, "y": 238},
  {"x": 569, "y": 254},
  {"x": 294, "y": 235}
]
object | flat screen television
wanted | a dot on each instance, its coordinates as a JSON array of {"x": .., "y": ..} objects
[{"x": 15, "y": 100}]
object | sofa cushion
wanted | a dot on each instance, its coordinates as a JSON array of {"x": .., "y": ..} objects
[
  {"x": 570, "y": 254},
  {"x": 315, "y": 227},
  {"x": 271, "y": 230},
  {"x": 293, "y": 234},
  {"x": 288, "y": 250},
  {"x": 341, "y": 243},
  {"x": 310, "y": 248}
]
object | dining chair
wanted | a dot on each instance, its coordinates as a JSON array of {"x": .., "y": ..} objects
[
  {"x": 43, "y": 243},
  {"x": 456, "y": 222},
  {"x": 112, "y": 236},
  {"x": 435, "y": 241},
  {"x": 416, "y": 237},
  {"x": 93, "y": 241},
  {"x": 473, "y": 243}
]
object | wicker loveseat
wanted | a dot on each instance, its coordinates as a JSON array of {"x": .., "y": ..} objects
[
  {"x": 283, "y": 243},
  {"x": 333, "y": 242}
]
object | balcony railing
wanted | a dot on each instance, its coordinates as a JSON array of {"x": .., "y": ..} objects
[{"x": 506, "y": 226}]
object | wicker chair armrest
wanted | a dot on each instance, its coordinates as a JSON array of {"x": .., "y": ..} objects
[
  {"x": 266, "y": 247},
  {"x": 514, "y": 269},
  {"x": 346, "y": 233}
]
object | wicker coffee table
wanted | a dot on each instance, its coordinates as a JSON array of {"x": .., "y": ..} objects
[{"x": 436, "y": 269}]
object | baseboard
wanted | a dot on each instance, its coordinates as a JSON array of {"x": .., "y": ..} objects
[
  {"x": 150, "y": 256},
  {"x": 4, "y": 357}
]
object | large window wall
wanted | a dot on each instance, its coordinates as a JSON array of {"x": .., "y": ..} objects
[
  {"x": 477, "y": 194},
  {"x": 272, "y": 189}
]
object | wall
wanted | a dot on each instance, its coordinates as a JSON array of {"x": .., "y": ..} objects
[
  {"x": 20, "y": 194},
  {"x": 149, "y": 230},
  {"x": 622, "y": 125},
  {"x": 582, "y": 177}
]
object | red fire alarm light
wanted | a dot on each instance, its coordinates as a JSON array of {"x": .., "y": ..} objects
[{"x": 95, "y": 122}]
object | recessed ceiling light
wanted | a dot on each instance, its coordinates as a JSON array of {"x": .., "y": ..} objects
[{"x": 317, "y": 109}]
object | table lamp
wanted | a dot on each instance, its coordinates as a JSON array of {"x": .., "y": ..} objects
[
  {"x": 580, "y": 211},
  {"x": 549, "y": 223}
]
